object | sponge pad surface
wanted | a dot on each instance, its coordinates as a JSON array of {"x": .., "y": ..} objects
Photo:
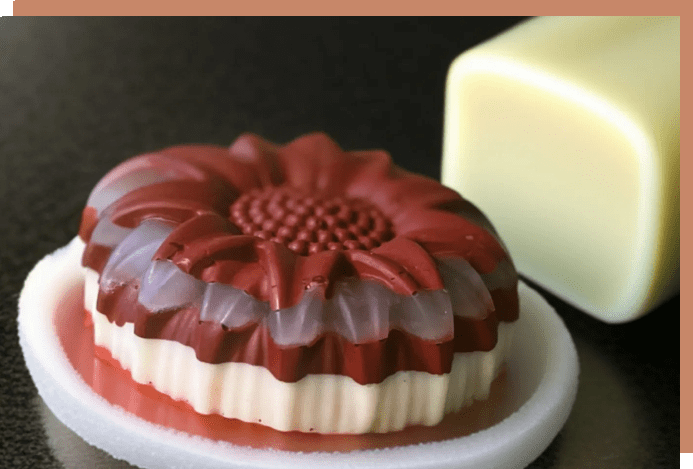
[{"x": 542, "y": 373}]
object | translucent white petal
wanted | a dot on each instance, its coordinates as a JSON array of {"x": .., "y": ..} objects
[
  {"x": 107, "y": 192},
  {"x": 425, "y": 314},
  {"x": 134, "y": 254},
  {"x": 231, "y": 307},
  {"x": 468, "y": 294},
  {"x": 360, "y": 310},
  {"x": 108, "y": 234},
  {"x": 165, "y": 286},
  {"x": 300, "y": 324}
]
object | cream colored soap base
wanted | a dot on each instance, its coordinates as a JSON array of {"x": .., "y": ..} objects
[{"x": 542, "y": 371}]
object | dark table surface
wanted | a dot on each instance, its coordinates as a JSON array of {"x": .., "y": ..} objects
[{"x": 77, "y": 96}]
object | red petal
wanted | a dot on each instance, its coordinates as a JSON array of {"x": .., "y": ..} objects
[
  {"x": 381, "y": 269},
  {"x": 260, "y": 158},
  {"x": 316, "y": 163},
  {"x": 278, "y": 261},
  {"x": 320, "y": 270},
  {"x": 168, "y": 166},
  {"x": 417, "y": 262},
  {"x": 404, "y": 191},
  {"x": 198, "y": 228},
  {"x": 370, "y": 168},
  {"x": 217, "y": 162},
  {"x": 210, "y": 248},
  {"x": 204, "y": 240},
  {"x": 175, "y": 201},
  {"x": 442, "y": 233},
  {"x": 247, "y": 276},
  {"x": 313, "y": 162}
]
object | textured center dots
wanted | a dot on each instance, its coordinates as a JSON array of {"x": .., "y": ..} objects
[{"x": 307, "y": 224}]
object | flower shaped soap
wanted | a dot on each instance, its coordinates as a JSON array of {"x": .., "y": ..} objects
[{"x": 299, "y": 286}]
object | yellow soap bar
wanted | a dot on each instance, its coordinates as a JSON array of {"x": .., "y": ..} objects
[{"x": 565, "y": 132}]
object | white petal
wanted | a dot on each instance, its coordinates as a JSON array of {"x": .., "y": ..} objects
[{"x": 468, "y": 294}]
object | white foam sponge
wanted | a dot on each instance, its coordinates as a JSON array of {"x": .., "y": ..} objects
[{"x": 543, "y": 371}]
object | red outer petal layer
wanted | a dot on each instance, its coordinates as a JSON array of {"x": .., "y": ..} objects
[
  {"x": 255, "y": 163},
  {"x": 417, "y": 262},
  {"x": 443, "y": 233},
  {"x": 174, "y": 201},
  {"x": 401, "y": 191},
  {"x": 315, "y": 163}
]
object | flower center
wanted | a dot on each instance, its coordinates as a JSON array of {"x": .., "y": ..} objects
[{"x": 307, "y": 224}]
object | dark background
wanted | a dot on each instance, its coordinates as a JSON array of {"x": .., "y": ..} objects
[{"x": 77, "y": 96}]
